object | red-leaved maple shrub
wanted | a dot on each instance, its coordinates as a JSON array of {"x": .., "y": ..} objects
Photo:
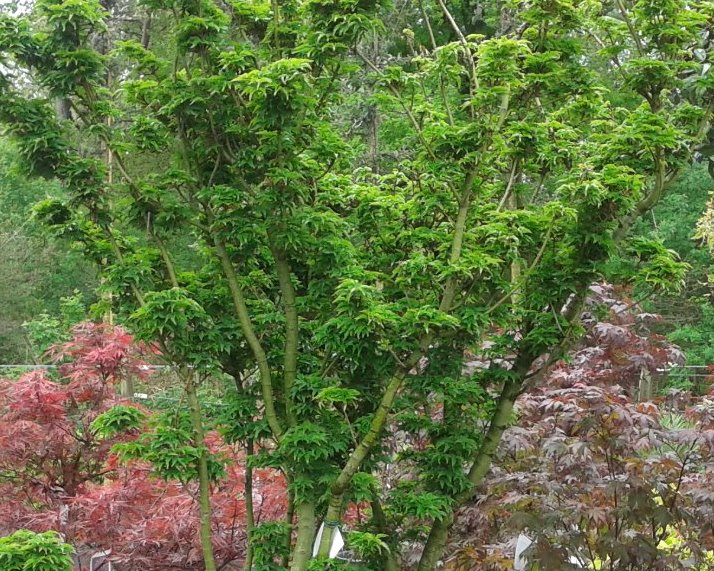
[
  {"x": 589, "y": 473},
  {"x": 56, "y": 473}
]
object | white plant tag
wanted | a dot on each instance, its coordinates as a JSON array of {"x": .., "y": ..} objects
[{"x": 338, "y": 542}]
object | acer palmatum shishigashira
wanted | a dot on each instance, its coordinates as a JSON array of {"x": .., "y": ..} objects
[{"x": 514, "y": 164}]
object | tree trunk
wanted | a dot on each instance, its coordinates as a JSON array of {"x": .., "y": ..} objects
[
  {"x": 373, "y": 137},
  {"x": 289, "y": 517},
  {"x": 251, "y": 338},
  {"x": 126, "y": 387},
  {"x": 249, "y": 513},
  {"x": 305, "y": 536},
  {"x": 332, "y": 518},
  {"x": 204, "y": 498},
  {"x": 389, "y": 558}
]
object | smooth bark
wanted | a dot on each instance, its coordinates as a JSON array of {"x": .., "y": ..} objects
[
  {"x": 204, "y": 491},
  {"x": 246, "y": 324},
  {"x": 305, "y": 536},
  {"x": 249, "y": 509}
]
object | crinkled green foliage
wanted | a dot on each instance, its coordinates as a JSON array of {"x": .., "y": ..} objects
[
  {"x": 345, "y": 302},
  {"x": 169, "y": 445},
  {"x": 29, "y": 551},
  {"x": 118, "y": 419}
]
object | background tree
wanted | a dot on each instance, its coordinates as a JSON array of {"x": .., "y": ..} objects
[
  {"x": 59, "y": 469},
  {"x": 35, "y": 270},
  {"x": 593, "y": 473}
]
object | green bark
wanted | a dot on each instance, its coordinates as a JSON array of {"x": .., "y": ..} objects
[
  {"x": 305, "y": 536},
  {"x": 261, "y": 358},
  {"x": 389, "y": 559},
  {"x": 339, "y": 486},
  {"x": 289, "y": 517},
  {"x": 249, "y": 512},
  {"x": 381, "y": 416},
  {"x": 291, "y": 332},
  {"x": 204, "y": 497}
]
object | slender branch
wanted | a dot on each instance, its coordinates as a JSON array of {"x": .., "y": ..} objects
[
  {"x": 246, "y": 324},
  {"x": 479, "y": 468},
  {"x": 389, "y": 560},
  {"x": 539, "y": 187},
  {"x": 249, "y": 508},
  {"x": 658, "y": 189},
  {"x": 452, "y": 282},
  {"x": 630, "y": 27},
  {"x": 395, "y": 92},
  {"x": 204, "y": 500},
  {"x": 524, "y": 278},
  {"x": 379, "y": 420},
  {"x": 166, "y": 257},
  {"x": 146, "y": 30},
  {"x": 509, "y": 186},
  {"x": 473, "y": 83},
  {"x": 275, "y": 5},
  {"x": 424, "y": 15},
  {"x": 432, "y": 39},
  {"x": 292, "y": 331},
  {"x": 305, "y": 535},
  {"x": 289, "y": 519}
]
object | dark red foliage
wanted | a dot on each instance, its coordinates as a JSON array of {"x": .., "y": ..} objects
[
  {"x": 99, "y": 356},
  {"x": 152, "y": 524},
  {"x": 589, "y": 472},
  {"x": 618, "y": 347}
]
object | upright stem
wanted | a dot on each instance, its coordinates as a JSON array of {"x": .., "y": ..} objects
[
  {"x": 166, "y": 257},
  {"x": 339, "y": 486},
  {"x": 439, "y": 533},
  {"x": 127, "y": 383},
  {"x": 275, "y": 4},
  {"x": 146, "y": 30},
  {"x": 204, "y": 498},
  {"x": 305, "y": 536},
  {"x": 457, "y": 242},
  {"x": 126, "y": 388},
  {"x": 389, "y": 559},
  {"x": 249, "y": 509},
  {"x": 379, "y": 420},
  {"x": 261, "y": 358},
  {"x": 651, "y": 199},
  {"x": 373, "y": 137},
  {"x": 512, "y": 204},
  {"x": 473, "y": 83},
  {"x": 289, "y": 517},
  {"x": 292, "y": 332}
]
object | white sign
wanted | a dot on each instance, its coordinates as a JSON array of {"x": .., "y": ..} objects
[
  {"x": 523, "y": 543},
  {"x": 338, "y": 542}
]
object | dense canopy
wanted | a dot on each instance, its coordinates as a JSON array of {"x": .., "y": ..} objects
[{"x": 371, "y": 226}]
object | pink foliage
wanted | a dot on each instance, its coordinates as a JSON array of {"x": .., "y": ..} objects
[{"x": 56, "y": 473}]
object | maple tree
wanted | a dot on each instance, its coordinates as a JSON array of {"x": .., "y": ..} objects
[
  {"x": 342, "y": 299},
  {"x": 58, "y": 470},
  {"x": 48, "y": 447},
  {"x": 590, "y": 473}
]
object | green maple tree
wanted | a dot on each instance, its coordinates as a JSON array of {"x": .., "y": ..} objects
[{"x": 341, "y": 299}]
